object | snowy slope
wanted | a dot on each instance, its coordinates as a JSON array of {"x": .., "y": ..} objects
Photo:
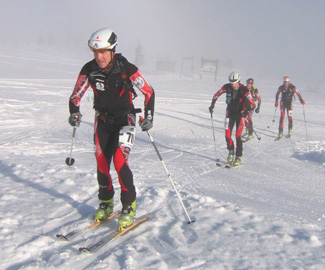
[{"x": 267, "y": 214}]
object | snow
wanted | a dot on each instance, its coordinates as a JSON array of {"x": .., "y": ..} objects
[{"x": 267, "y": 214}]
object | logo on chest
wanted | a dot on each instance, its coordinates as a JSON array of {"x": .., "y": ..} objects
[{"x": 100, "y": 86}]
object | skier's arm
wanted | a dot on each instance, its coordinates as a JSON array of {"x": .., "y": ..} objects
[
  {"x": 259, "y": 99},
  {"x": 142, "y": 84},
  {"x": 79, "y": 90},
  {"x": 302, "y": 101},
  {"x": 215, "y": 97},
  {"x": 277, "y": 97},
  {"x": 249, "y": 101}
]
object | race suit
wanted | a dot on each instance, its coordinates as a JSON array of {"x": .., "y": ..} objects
[
  {"x": 239, "y": 104},
  {"x": 286, "y": 103},
  {"x": 114, "y": 127},
  {"x": 258, "y": 100}
]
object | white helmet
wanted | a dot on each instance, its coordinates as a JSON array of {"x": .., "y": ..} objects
[
  {"x": 103, "y": 39},
  {"x": 234, "y": 77}
]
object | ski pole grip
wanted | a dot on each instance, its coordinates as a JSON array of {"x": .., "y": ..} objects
[{"x": 140, "y": 119}]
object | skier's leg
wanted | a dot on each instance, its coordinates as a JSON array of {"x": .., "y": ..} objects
[
  {"x": 282, "y": 114},
  {"x": 250, "y": 124},
  {"x": 103, "y": 154},
  {"x": 290, "y": 120},
  {"x": 240, "y": 122},
  {"x": 239, "y": 129},
  {"x": 229, "y": 125},
  {"x": 124, "y": 143}
]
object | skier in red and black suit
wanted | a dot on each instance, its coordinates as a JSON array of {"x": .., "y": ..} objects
[
  {"x": 239, "y": 103},
  {"x": 112, "y": 77},
  {"x": 258, "y": 100},
  {"x": 287, "y": 91}
]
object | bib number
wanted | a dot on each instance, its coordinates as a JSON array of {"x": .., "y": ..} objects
[{"x": 127, "y": 136}]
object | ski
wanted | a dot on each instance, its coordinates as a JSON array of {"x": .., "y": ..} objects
[
  {"x": 80, "y": 231},
  {"x": 221, "y": 163},
  {"x": 114, "y": 235},
  {"x": 231, "y": 165},
  {"x": 224, "y": 164},
  {"x": 244, "y": 140}
]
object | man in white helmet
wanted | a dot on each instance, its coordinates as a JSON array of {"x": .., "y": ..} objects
[
  {"x": 112, "y": 77},
  {"x": 239, "y": 103}
]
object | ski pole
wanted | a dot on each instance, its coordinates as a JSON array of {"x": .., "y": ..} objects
[
  {"x": 303, "y": 107},
  {"x": 170, "y": 178},
  {"x": 274, "y": 114},
  {"x": 258, "y": 137},
  {"x": 69, "y": 160},
  {"x": 263, "y": 120},
  {"x": 214, "y": 138}
]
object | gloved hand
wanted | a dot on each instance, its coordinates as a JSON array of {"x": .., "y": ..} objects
[
  {"x": 302, "y": 102},
  {"x": 276, "y": 104},
  {"x": 211, "y": 109},
  {"x": 75, "y": 119},
  {"x": 146, "y": 123},
  {"x": 244, "y": 113},
  {"x": 257, "y": 109}
]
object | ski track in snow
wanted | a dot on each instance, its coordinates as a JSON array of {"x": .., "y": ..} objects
[{"x": 266, "y": 214}]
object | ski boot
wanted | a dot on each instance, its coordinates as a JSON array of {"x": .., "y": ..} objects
[
  {"x": 289, "y": 133},
  {"x": 230, "y": 157},
  {"x": 104, "y": 210},
  {"x": 127, "y": 216},
  {"x": 280, "y": 135},
  {"x": 250, "y": 135},
  {"x": 237, "y": 161}
]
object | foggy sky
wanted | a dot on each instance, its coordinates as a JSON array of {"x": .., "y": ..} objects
[{"x": 260, "y": 38}]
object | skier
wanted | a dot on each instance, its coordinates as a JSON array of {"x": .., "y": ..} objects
[
  {"x": 239, "y": 103},
  {"x": 287, "y": 91},
  {"x": 257, "y": 98},
  {"x": 112, "y": 77}
]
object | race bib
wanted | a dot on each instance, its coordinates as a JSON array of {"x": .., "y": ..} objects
[{"x": 127, "y": 136}]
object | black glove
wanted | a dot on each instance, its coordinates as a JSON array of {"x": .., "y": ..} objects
[
  {"x": 75, "y": 119},
  {"x": 257, "y": 109},
  {"x": 211, "y": 109},
  {"x": 244, "y": 113},
  {"x": 146, "y": 123}
]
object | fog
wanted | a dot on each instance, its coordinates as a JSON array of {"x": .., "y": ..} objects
[{"x": 264, "y": 39}]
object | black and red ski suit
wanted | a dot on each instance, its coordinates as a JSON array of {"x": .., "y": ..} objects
[
  {"x": 239, "y": 104},
  {"x": 114, "y": 127},
  {"x": 286, "y": 103},
  {"x": 258, "y": 100}
]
